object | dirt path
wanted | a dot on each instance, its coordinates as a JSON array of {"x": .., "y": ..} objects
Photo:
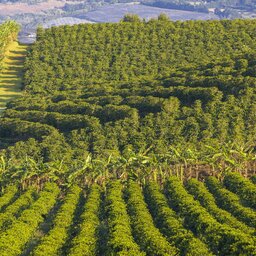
[{"x": 12, "y": 73}]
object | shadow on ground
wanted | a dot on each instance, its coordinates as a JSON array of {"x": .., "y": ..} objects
[{"x": 11, "y": 76}]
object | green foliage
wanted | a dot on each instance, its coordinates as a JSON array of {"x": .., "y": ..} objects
[
  {"x": 52, "y": 243},
  {"x": 206, "y": 199},
  {"x": 109, "y": 88},
  {"x": 241, "y": 186},
  {"x": 170, "y": 224},
  {"x": 13, "y": 240},
  {"x": 133, "y": 100},
  {"x": 119, "y": 220},
  {"x": 24, "y": 129},
  {"x": 120, "y": 241},
  {"x": 231, "y": 202},
  {"x": 86, "y": 242},
  {"x": 146, "y": 234},
  {"x": 222, "y": 239},
  {"x": 8, "y": 195},
  {"x": 15, "y": 209},
  {"x": 131, "y": 18}
]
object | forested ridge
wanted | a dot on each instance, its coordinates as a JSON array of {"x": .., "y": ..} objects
[{"x": 160, "y": 91}]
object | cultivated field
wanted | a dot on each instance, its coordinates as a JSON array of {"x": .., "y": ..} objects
[{"x": 126, "y": 219}]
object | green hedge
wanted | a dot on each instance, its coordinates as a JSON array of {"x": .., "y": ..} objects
[
  {"x": 231, "y": 202},
  {"x": 120, "y": 241},
  {"x": 8, "y": 195},
  {"x": 16, "y": 128},
  {"x": 222, "y": 239},
  {"x": 62, "y": 122},
  {"x": 171, "y": 225},
  {"x": 86, "y": 242},
  {"x": 52, "y": 243},
  {"x": 241, "y": 186},
  {"x": 206, "y": 199},
  {"x": 13, "y": 241},
  {"x": 14, "y": 210},
  {"x": 146, "y": 234}
]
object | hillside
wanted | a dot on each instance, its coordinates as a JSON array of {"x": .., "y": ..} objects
[
  {"x": 32, "y": 13},
  {"x": 178, "y": 92},
  {"x": 130, "y": 138}
]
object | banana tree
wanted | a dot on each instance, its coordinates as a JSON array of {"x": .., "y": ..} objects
[{"x": 79, "y": 175}]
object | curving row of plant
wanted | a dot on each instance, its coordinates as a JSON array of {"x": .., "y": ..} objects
[
  {"x": 14, "y": 210},
  {"x": 146, "y": 234},
  {"x": 222, "y": 239},
  {"x": 206, "y": 199},
  {"x": 120, "y": 240},
  {"x": 8, "y": 195},
  {"x": 171, "y": 225},
  {"x": 13, "y": 240},
  {"x": 231, "y": 202},
  {"x": 241, "y": 186},
  {"x": 52, "y": 243},
  {"x": 24, "y": 129},
  {"x": 86, "y": 242}
]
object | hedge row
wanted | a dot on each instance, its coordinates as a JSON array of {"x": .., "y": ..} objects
[
  {"x": 85, "y": 243},
  {"x": 52, "y": 243},
  {"x": 8, "y": 195},
  {"x": 206, "y": 199},
  {"x": 13, "y": 211},
  {"x": 241, "y": 186},
  {"x": 120, "y": 241},
  {"x": 231, "y": 202},
  {"x": 62, "y": 122},
  {"x": 146, "y": 234},
  {"x": 15, "y": 128},
  {"x": 13, "y": 241},
  {"x": 170, "y": 224},
  {"x": 222, "y": 239}
]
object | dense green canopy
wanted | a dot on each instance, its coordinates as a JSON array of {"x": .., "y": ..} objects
[{"x": 130, "y": 86}]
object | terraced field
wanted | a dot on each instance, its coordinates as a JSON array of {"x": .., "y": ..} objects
[
  {"x": 194, "y": 218},
  {"x": 12, "y": 73}
]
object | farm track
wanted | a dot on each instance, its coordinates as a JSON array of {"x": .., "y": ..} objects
[
  {"x": 11, "y": 77},
  {"x": 72, "y": 226}
]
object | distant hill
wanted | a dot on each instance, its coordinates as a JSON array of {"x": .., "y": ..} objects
[
  {"x": 114, "y": 13},
  {"x": 32, "y": 13}
]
